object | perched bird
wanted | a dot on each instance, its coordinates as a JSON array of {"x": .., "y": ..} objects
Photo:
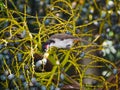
[{"x": 61, "y": 41}]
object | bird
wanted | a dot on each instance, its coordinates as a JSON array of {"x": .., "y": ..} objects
[{"x": 61, "y": 40}]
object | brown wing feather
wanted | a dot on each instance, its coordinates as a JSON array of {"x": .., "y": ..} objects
[{"x": 63, "y": 36}]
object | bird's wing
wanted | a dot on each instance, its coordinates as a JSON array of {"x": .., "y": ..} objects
[{"x": 63, "y": 36}]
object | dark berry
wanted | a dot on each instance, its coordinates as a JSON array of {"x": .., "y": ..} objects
[
  {"x": 43, "y": 87},
  {"x": 62, "y": 77},
  {"x": 11, "y": 76},
  {"x": 22, "y": 77},
  {"x": 33, "y": 80},
  {"x": 82, "y": 54},
  {"x": 19, "y": 55},
  {"x": 52, "y": 87},
  {"x": 115, "y": 71},
  {"x": 3, "y": 77},
  {"x": 57, "y": 88}
]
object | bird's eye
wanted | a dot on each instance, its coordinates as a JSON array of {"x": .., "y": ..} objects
[
  {"x": 61, "y": 39},
  {"x": 44, "y": 46}
]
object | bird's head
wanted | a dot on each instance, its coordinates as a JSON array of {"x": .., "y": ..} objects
[{"x": 46, "y": 44}]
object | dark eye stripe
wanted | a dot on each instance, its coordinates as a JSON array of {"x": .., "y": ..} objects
[{"x": 51, "y": 41}]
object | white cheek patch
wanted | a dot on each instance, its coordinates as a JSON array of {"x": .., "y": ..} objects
[{"x": 62, "y": 43}]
